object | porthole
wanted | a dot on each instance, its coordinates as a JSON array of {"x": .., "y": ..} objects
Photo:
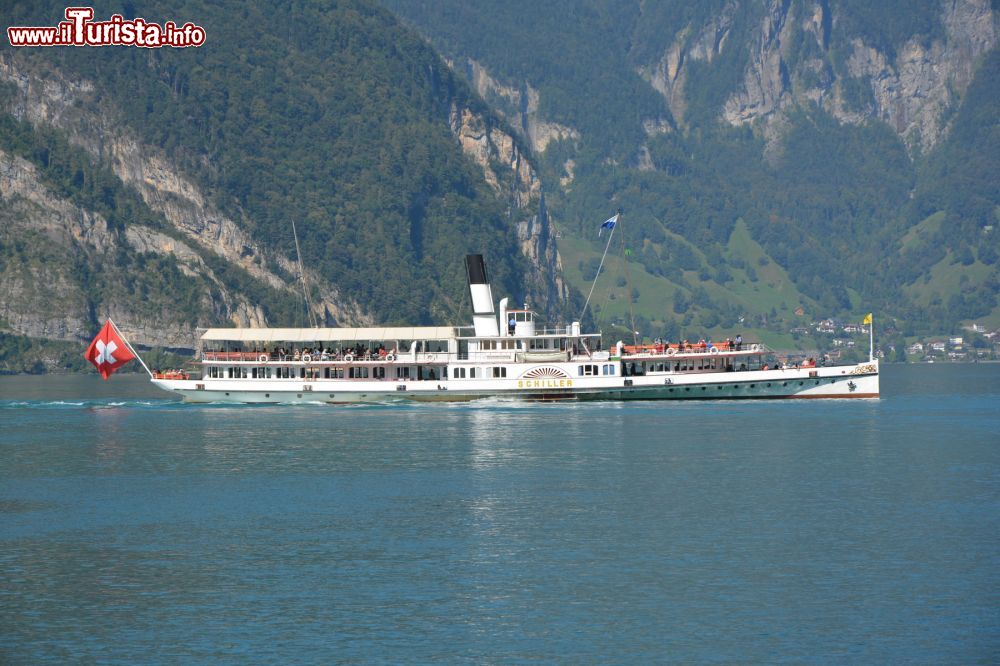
[
  {"x": 704, "y": 388},
  {"x": 331, "y": 395},
  {"x": 688, "y": 388},
  {"x": 267, "y": 395},
  {"x": 784, "y": 383},
  {"x": 300, "y": 395},
  {"x": 769, "y": 385},
  {"x": 753, "y": 386},
  {"x": 719, "y": 387}
]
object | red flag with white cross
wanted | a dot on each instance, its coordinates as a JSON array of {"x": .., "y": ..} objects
[{"x": 108, "y": 351}]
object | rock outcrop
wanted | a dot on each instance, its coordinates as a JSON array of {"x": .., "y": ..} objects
[
  {"x": 912, "y": 90},
  {"x": 507, "y": 170},
  {"x": 46, "y": 98}
]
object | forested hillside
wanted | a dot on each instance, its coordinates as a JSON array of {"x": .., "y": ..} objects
[
  {"x": 772, "y": 158},
  {"x": 159, "y": 185}
]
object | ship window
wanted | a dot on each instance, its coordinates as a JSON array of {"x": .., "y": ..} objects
[
  {"x": 473, "y": 373},
  {"x": 608, "y": 369},
  {"x": 499, "y": 372},
  {"x": 587, "y": 370}
]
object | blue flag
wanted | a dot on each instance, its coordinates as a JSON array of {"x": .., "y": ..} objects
[{"x": 608, "y": 224}]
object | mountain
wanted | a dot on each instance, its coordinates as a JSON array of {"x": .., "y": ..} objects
[
  {"x": 776, "y": 161},
  {"x": 159, "y": 186},
  {"x": 772, "y": 157}
]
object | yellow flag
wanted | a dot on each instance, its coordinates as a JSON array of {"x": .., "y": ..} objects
[{"x": 867, "y": 319}]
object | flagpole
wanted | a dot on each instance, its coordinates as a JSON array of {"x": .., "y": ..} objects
[
  {"x": 599, "y": 267},
  {"x": 871, "y": 339},
  {"x": 129, "y": 345}
]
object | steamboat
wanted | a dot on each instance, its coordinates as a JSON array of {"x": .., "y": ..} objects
[{"x": 504, "y": 354}]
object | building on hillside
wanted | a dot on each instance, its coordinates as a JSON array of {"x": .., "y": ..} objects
[{"x": 825, "y": 326}]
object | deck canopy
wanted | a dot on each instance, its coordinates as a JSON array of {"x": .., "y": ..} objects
[{"x": 330, "y": 334}]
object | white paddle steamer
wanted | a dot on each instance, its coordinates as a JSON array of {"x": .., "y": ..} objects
[{"x": 502, "y": 355}]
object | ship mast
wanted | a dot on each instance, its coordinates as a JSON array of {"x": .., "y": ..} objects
[{"x": 302, "y": 276}]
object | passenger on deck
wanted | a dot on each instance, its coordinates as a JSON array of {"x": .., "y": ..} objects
[{"x": 511, "y": 325}]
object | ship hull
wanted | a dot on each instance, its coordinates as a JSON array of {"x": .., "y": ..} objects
[{"x": 841, "y": 382}]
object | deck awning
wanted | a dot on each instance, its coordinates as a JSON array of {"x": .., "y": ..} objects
[{"x": 330, "y": 334}]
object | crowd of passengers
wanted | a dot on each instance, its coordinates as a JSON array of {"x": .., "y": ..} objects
[
  {"x": 703, "y": 345},
  {"x": 358, "y": 352}
]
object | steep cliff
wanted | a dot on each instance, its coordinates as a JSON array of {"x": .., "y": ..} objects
[
  {"x": 513, "y": 179},
  {"x": 45, "y": 98},
  {"x": 800, "y": 53}
]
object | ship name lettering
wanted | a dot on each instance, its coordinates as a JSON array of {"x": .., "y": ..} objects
[{"x": 544, "y": 383}]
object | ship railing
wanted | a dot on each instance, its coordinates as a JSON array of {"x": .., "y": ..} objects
[
  {"x": 322, "y": 357},
  {"x": 659, "y": 349}
]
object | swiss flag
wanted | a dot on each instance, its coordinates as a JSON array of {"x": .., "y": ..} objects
[{"x": 108, "y": 351}]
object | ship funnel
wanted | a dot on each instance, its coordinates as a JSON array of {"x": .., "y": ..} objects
[{"x": 483, "y": 317}]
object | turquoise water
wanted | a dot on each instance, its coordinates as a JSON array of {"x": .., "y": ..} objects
[{"x": 138, "y": 530}]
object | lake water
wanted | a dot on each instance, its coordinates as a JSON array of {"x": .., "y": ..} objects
[{"x": 138, "y": 530}]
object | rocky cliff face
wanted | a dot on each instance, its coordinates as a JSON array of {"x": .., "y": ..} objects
[
  {"x": 519, "y": 106},
  {"x": 507, "y": 170},
  {"x": 52, "y": 238},
  {"x": 669, "y": 75},
  {"x": 912, "y": 90},
  {"x": 915, "y": 92},
  {"x": 46, "y": 98}
]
